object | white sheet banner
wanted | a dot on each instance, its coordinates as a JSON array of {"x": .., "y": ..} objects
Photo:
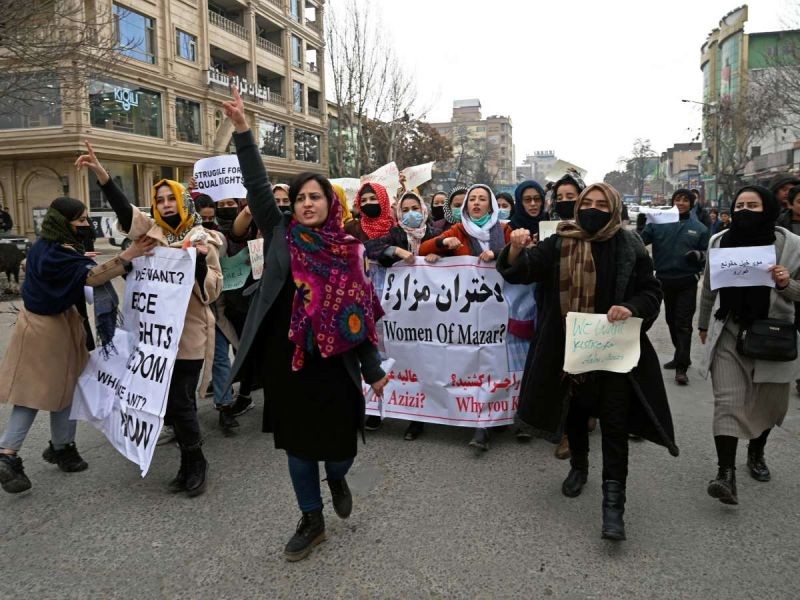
[
  {"x": 220, "y": 177},
  {"x": 741, "y": 267},
  {"x": 350, "y": 186},
  {"x": 594, "y": 344},
  {"x": 417, "y": 175},
  {"x": 124, "y": 394},
  {"x": 388, "y": 176},
  {"x": 445, "y": 328},
  {"x": 660, "y": 216}
]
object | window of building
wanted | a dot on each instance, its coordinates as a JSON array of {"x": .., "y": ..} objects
[
  {"x": 135, "y": 34},
  {"x": 123, "y": 174},
  {"x": 295, "y": 6},
  {"x": 36, "y": 102},
  {"x": 297, "y": 90},
  {"x": 187, "y": 119},
  {"x": 272, "y": 138},
  {"x": 125, "y": 107},
  {"x": 297, "y": 52},
  {"x": 186, "y": 45},
  {"x": 306, "y": 146}
]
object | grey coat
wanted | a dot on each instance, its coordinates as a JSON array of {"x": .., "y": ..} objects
[{"x": 787, "y": 251}]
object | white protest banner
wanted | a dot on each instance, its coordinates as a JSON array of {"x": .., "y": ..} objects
[
  {"x": 660, "y": 216},
  {"x": 220, "y": 177},
  {"x": 445, "y": 327},
  {"x": 741, "y": 267},
  {"x": 594, "y": 344},
  {"x": 547, "y": 228},
  {"x": 124, "y": 394},
  {"x": 417, "y": 175},
  {"x": 560, "y": 168},
  {"x": 350, "y": 186},
  {"x": 256, "y": 248},
  {"x": 388, "y": 176}
]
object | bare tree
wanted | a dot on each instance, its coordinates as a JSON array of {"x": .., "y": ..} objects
[
  {"x": 48, "y": 48},
  {"x": 638, "y": 164}
]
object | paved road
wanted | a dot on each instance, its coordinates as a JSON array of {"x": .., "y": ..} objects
[{"x": 430, "y": 521}]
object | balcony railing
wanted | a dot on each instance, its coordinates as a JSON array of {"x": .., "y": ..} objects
[
  {"x": 228, "y": 25},
  {"x": 314, "y": 112},
  {"x": 313, "y": 68},
  {"x": 278, "y": 3},
  {"x": 270, "y": 47},
  {"x": 275, "y": 98},
  {"x": 314, "y": 25}
]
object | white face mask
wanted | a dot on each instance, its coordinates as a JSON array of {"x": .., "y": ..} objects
[{"x": 504, "y": 214}]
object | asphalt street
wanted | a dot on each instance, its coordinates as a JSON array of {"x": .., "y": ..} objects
[{"x": 431, "y": 520}]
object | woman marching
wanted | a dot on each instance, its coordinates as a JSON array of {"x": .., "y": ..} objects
[
  {"x": 751, "y": 391},
  {"x": 50, "y": 331},
  {"x": 592, "y": 265},
  {"x": 480, "y": 233},
  {"x": 175, "y": 224},
  {"x": 451, "y": 209},
  {"x": 311, "y": 331}
]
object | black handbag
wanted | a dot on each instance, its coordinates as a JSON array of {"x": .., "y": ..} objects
[{"x": 768, "y": 339}]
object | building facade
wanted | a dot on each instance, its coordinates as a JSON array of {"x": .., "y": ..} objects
[
  {"x": 160, "y": 110},
  {"x": 537, "y": 166}
]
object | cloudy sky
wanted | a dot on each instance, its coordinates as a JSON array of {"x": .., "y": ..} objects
[{"x": 583, "y": 78}]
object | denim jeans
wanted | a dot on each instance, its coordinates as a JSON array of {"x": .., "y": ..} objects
[
  {"x": 305, "y": 479},
  {"x": 62, "y": 429},
  {"x": 221, "y": 370}
]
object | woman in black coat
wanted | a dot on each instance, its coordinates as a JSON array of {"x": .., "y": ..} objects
[
  {"x": 593, "y": 265},
  {"x": 311, "y": 331}
]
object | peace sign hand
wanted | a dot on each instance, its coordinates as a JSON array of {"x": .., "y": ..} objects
[
  {"x": 90, "y": 161},
  {"x": 234, "y": 110}
]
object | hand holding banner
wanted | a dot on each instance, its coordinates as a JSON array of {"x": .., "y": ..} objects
[
  {"x": 220, "y": 177},
  {"x": 741, "y": 267},
  {"x": 417, "y": 175},
  {"x": 388, "y": 176},
  {"x": 594, "y": 344}
]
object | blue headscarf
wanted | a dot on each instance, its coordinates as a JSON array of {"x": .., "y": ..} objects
[{"x": 521, "y": 219}]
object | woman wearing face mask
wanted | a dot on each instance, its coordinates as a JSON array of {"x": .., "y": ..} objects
[
  {"x": 372, "y": 202},
  {"x": 313, "y": 345},
  {"x": 402, "y": 243},
  {"x": 565, "y": 192},
  {"x": 505, "y": 203},
  {"x": 480, "y": 233},
  {"x": 175, "y": 221},
  {"x": 751, "y": 395},
  {"x": 49, "y": 334},
  {"x": 437, "y": 207},
  {"x": 592, "y": 265},
  {"x": 451, "y": 209}
]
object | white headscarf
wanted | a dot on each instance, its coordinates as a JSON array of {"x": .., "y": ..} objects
[
  {"x": 413, "y": 234},
  {"x": 481, "y": 234}
]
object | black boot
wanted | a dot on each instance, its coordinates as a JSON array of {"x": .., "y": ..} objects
[
  {"x": 723, "y": 488},
  {"x": 755, "y": 462},
  {"x": 12, "y": 475},
  {"x": 179, "y": 483},
  {"x": 413, "y": 431},
  {"x": 227, "y": 420},
  {"x": 67, "y": 459},
  {"x": 372, "y": 423},
  {"x": 577, "y": 476},
  {"x": 310, "y": 532},
  {"x": 196, "y": 469},
  {"x": 613, "y": 509},
  {"x": 342, "y": 498},
  {"x": 480, "y": 441}
]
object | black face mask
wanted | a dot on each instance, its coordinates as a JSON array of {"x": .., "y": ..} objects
[
  {"x": 85, "y": 234},
  {"x": 746, "y": 220},
  {"x": 227, "y": 213},
  {"x": 211, "y": 225},
  {"x": 566, "y": 209},
  {"x": 437, "y": 212},
  {"x": 172, "y": 220},
  {"x": 593, "y": 220},
  {"x": 286, "y": 210},
  {"x": 373, "y": 211}
]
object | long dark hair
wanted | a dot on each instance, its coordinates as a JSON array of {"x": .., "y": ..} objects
[{"x": 302, "y": 179}]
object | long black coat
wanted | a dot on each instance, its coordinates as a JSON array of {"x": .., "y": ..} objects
[
  {"x": 544, "y": 398},
  {"x": 253, "y": 353}
]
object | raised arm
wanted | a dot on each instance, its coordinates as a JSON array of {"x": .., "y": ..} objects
[
  {"x": 521, "y": 263},
  {"x": 259, "y": 191},
  {"x": 115, "y": 196}
]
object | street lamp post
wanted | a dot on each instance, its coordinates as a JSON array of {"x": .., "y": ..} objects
[{"x": 714, "y": 111}]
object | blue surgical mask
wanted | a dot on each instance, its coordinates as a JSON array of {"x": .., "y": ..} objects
[
  {"x": 504, "y": 214},
  {"x": 457, "y": 213},
  {"x": 412, "y": 219}
]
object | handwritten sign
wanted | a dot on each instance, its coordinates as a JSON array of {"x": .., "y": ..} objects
[
  {"x": 256, "y": 248},
  {"x": 235, "y": 270},
  {"x": 220, "y": 177},
  {"x": 741, "y": 267},
  {"x": 547, "y": 228},
  {"x": 123, "y": 393},
  {"x": 350, "y": 186},
  {"x": 417, "y": 175},
  {"x": 594, "y": 344},
  {"x": 659, "y": 216},
  {"x": 388, "y": 176}
]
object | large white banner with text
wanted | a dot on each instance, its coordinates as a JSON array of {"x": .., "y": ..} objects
[
  {"x": 124, "y": 393},
  {"x": 445, "y": 328}
]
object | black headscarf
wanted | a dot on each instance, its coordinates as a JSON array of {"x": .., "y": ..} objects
[
  {"x": 521, "y": 219},
  {"x": 749, "y": 228}
]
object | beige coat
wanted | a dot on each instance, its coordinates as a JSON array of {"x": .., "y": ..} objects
[
  {"x": 197, "y": 339},
  {"x": 51, "y": 344}
]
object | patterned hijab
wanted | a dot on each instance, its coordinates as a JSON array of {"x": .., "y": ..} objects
[
  {"x": 335, "y": 307},
  {"x": 379, "y": 226},
  {"x": 413, "y": 234},
  {"x": 186, "y": 210},
  {"x": 578, "y": 275},
  {"x": 448, "y": 211}
]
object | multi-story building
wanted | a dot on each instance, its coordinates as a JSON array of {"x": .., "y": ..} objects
[
  {"x": 482, "y": 148},
  {"x": 537, "y": 165},
  {"x": 160, "y": 110},
  {"x": 679, "y": 165}
]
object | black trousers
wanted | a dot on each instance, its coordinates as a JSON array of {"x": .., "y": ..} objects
[
  {"x": 606, "y": 396},
  {"x": 680, "y": 302},
  {"x": 182, "y": 402}
]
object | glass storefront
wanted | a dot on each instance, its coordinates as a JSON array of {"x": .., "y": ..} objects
[
  {"x": 123, "y": 174},
  {"x": 272, "y": 138},
  {"x": 125, "y": 107},
  {"x": 187, "y": 121},
  {"x": 306, "y": 146},
  {"x": 34, "y": 101}
]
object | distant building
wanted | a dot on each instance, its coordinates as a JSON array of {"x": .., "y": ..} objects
[
  {"x": 537, "y": 165},
  {"x": 680, "y": 165}
]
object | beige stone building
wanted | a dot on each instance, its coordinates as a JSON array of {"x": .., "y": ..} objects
[{"x": 160, "y": 111}]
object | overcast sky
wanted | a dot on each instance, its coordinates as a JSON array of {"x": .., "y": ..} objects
[{"x": 583, "y": 78}]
